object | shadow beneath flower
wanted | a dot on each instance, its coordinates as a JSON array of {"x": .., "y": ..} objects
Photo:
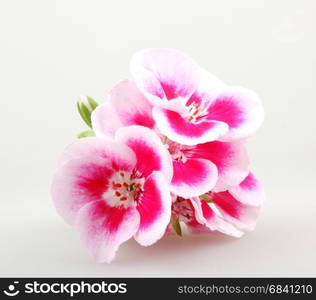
[{"x": 169, "y": 247}]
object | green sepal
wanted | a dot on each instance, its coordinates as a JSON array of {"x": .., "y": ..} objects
[
  {"x": 84, "y": 113},
  {"x": 92, "y": 103},
  {"x": 206, "y": 198},
  {"x": 176, "y": 226},
  {"x": 85, "y": 134}
]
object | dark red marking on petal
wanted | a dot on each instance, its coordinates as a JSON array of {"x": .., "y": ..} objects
[
  {"x": 249, "y": 183},
  {"x": 113, "y": 216},
  {"x": 208, "y": 213},
  {"x": 225, "y": 109},
  {"x": 170, "y": 90},
  {"x": 142, "y": 120},
  {"x": 147, "y": 158},
  {"x": 184, "y": 128},
  {"x": 191, "y": 172},
  {"x": 94, "y": 181},
  {"x": 150, "y": 204},
  {"x": 226, "y": 202},
  {"x": 195, "y": 98},
  {"x": 218, "y": 153}
]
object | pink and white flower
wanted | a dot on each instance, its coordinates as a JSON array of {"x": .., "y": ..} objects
[
  {"x": 231, "y": 212},
  {"x": 197, "y": 169},
  {"x": 169, "y": 149},
  {"x": 112, "y": 190},
  {"x": 191, "y": 106}
]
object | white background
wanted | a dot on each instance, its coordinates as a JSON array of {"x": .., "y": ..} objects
[{"x": 52, "y": 51}]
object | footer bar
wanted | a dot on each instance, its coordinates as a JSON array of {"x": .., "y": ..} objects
[{"x": 147, "y": 288}]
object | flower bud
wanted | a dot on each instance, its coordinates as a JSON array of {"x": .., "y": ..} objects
[{"x": 86, "y": 106}]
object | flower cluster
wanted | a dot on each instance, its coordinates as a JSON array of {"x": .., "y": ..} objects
[{"x": 165, "y": 153}]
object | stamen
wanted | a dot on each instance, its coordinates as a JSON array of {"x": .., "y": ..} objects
[
  {"x": 123, "y": 190},
  {"x": 196, "y": 111}
]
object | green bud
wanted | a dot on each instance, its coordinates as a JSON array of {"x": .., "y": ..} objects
[
  {"x": 92, "y": 103},
  {"x": 86, "y": 106}
]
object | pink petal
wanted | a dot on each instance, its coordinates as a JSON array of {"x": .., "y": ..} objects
[
  {"x": 103, "y": 228},
  {"x": 78, "y": 182},
  {"x": 231, "y": 160},
  {"x": 150, "y": 152},
  {"x": 195, "y": 228},
  {"x": 241, "y": 215},
  {"x": 208, "y": 89},
  {"x": 83, "y": 176},
  {"x": 194, "y": 177},
  {"x": 164, "y": 74},
  {"x": 176, "y": 128},
  {"x": 126, "y": 106},
  {"x": 105, "y": 120},
  {"x": 240, "y": 109},
  {"x": 249, "y": 191},
  {"x": 98, "y": 147},
  {"x": 155, "y": 209},
  {"x": 205, "y": 215}
]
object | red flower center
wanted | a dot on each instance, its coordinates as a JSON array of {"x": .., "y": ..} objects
[
  {"x": 197, "y": 112},
  {"x": 182, "y": 210},
  {"x": 125, "y": 189}
]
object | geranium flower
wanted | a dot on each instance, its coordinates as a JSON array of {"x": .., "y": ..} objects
[
  {"x": 197, "y": 169},
  {"x": 231, "y": 212},
  {"x": 191, "y": 106},
  {"x": 113, "y": 190}
]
